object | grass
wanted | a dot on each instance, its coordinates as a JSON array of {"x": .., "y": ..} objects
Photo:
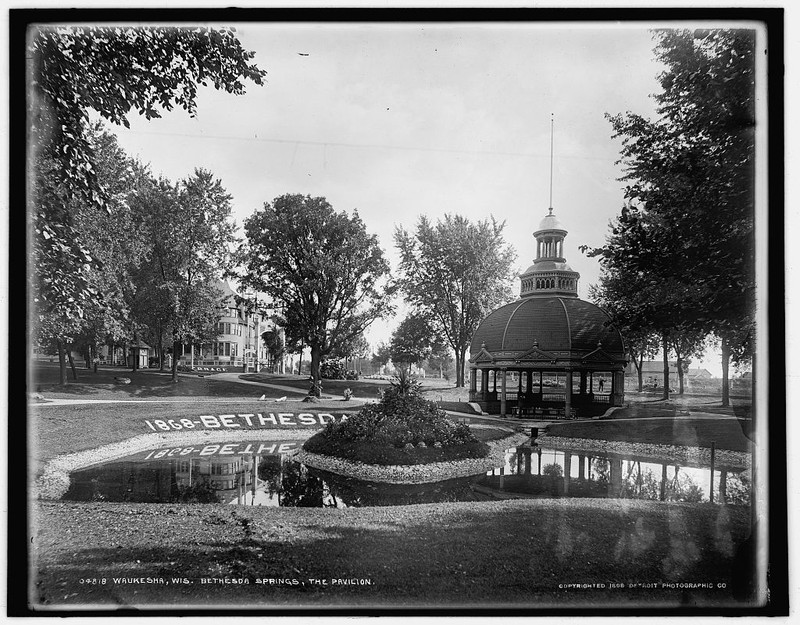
[
  {"x": 689, "y": 431},
  {"x": 360, "y": 388},
  {"x": 453, "y": 555},
  {"x": 145, "y": 384},
  {"x": 57, "y": 429}
]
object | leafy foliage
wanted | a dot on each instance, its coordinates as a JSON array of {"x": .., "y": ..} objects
[
  {"x": 189, "y": 236},
  {"x": 380, "y": 432},
  {"x": 454, "y": 273},
  {"x": 681, "y": 254},
  {"x": 322, "y": 267},
  {"x": 552, "y": 470},
  {"x": 412, "y": 341},
  {"x": 111, "y": 71}
]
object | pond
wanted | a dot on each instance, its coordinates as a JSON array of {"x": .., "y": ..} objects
[{"x": 264, "y": 473}]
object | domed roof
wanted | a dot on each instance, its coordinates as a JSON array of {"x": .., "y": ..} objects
[
  {"x": 550, "y": 222},
  {"x": 553, "y": 324},
  {"x": 547, "y": 265}
]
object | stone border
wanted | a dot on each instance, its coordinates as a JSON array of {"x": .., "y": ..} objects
[
  {"x": 677, "y": 453},
  {"x": 54, "y": 480},
  {"x": 415, "y": 473}
]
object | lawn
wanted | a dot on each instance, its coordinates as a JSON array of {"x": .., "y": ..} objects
[
  {"x": 692, "y": 432},
  {"x": 145, "y": 384},
  {"x": 360, "y": 388},
  {"x": 57, "y": 429},
  {"x": 454, "y": 555}
]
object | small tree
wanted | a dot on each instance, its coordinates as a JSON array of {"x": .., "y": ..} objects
[
  {"x": 324, "y": 269},
  {"x": 411, "y": 342},
  {"x": 273, "y": 343}
]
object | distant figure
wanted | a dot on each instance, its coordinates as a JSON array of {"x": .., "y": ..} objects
[{"x": 600, "y": 385}]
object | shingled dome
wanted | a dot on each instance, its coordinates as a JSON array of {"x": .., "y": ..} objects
[
  {"x": 553, "y": 324},
  {"x": 560, "y": 355}
]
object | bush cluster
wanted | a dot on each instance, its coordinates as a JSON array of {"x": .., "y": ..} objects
[
  {"x": 401, "y": 417},
  {"x": 334, "y": 370}
]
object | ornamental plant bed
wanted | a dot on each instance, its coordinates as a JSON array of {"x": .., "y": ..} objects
[
  {"x": 370, "y": 452},
  {"x": 403, "y": 428}
]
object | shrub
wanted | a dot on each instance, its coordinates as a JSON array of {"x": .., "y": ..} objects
[
  {"x": 402, "y": 418},
  {"x": 332, "y": 370},
  {"x": 552, "y": 470}
]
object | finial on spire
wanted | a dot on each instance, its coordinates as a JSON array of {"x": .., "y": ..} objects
[{"x": 552, "y": 124}]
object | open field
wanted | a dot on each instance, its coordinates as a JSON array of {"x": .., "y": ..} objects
[{"x": 511, "y": 553}]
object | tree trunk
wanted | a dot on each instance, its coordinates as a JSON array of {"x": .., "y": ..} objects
[
  {"x": 680, "y": 374},
  {"x": 72, "y": 365},
  {"x": 316, "y": 360},
  {"x": 175, "y": 345},
  {"x": 639, "y": 371},
  {"x": 726, "y": 358},
  {"x": 135, "y": 352},
  {"x": 461, "y": 354},
  {"x": 665, "y": 344},
  {"x": 160, "y": 348},
  {"x": 62, "y": 365}
]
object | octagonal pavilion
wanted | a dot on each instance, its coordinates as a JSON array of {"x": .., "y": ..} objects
[{"x": 548, "y": 354}]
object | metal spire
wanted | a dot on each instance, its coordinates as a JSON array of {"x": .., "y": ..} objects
[{"x": 551, "y": 163}]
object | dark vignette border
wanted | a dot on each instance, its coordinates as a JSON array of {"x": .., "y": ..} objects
[{"x": 771, "y": 18}]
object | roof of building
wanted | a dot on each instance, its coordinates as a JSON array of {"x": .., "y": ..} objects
[
  {"x": 550, "y": 222},
  {"x": 551, "y": 324}
]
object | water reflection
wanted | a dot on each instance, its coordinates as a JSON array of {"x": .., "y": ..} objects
[
  {"x": 264, "y": 474},
  {"x": 534, "y": 471}
]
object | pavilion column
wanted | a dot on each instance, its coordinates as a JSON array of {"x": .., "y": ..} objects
[
  {"x": 473, "y": 382},
  {"x": 568, "y": 395},
  {"x": 663, "y": 494},
  {"x": 567, "y": 466},
  {"x": 581, "y": 462},
  {"x": 484, "y": 383},
  {"x": 583, "y": 383},
  {"x": 617, "y": 388},
  {"x": 539, "y": 462},
  {"x": 527, "y": 453},
  {"x": 616, "y": 477},
  {"x": 529, "y": 382},
  {"x": 502, "y": 392},
  {"x": 723, "y": 487}
]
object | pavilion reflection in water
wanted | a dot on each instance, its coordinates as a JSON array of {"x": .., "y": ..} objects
[{"x": 532, "y": 471}]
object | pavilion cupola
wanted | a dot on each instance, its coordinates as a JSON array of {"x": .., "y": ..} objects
[{"x": 550, "y": 274}]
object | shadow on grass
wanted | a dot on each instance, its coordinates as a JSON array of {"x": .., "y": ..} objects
[
  {"x": 150, "y": 384},
  {"x": 494, "y": 554}
]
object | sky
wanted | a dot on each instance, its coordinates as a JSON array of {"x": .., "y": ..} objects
[{"x": 402, "y": 120}]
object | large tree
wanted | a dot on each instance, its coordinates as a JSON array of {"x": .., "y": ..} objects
[
  {"x": 691, "y": 186},
  {"x": 190, "y": 235},
  {"x": 112, "y": 247},
  {"x": 322, "y": 268},
  {"x": 454, "y": 273},
  {"x": 77, "y": 71}
]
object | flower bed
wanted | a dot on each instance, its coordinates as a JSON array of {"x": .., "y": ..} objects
[{"x": 414, "y": 473}]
